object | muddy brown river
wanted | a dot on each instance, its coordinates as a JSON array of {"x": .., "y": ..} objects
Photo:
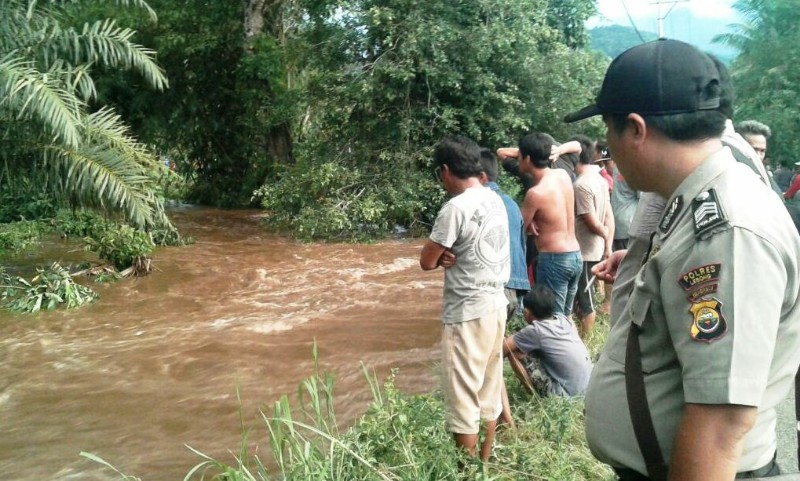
[{"x": 155, "y": 363}]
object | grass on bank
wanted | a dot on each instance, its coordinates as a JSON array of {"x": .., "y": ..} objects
[{"x": 402, "y": 437}]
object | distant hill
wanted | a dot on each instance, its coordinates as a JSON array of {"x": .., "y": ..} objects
[{"x": 612, "y": 40}]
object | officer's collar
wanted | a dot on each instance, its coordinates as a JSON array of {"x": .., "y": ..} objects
[{"x": 695, "y": 184}]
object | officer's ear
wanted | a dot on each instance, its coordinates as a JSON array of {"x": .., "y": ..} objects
[{"x": 636, "y": 128}]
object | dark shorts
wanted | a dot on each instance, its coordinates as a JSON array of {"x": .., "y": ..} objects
[
  {"x": 619, "y": 244},
  {"x": 585, "y": 297},
  {"x": 560, "y": 272}
]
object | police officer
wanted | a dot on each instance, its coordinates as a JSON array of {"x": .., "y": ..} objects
[{"x": 711, "y": 316}]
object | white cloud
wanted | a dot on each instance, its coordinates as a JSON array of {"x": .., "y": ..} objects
[{"x": 711, "y": 8}]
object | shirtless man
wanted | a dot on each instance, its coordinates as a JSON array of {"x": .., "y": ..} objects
[{"x": 548, "y": 213}]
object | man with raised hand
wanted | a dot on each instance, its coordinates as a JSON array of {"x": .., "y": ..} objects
[{"x": 548, "y": 212}]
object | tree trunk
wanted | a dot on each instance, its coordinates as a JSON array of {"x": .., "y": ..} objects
[{"x": 263, "y": 17}]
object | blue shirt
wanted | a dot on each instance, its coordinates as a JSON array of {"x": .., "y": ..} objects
[{"x": 519, "y": 269}]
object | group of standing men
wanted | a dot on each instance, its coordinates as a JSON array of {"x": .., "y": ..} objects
[{"x": 705, "y": 324}]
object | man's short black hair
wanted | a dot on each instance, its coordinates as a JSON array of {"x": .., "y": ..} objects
[
  {"x": 587, "y": 148},
  {"x": 489, "y": 164},
  {"x": 460, "y": 154},
  {"x": 541, "y": 301},
  {"x": 601, "y": 148},
  {"x": 684, "y": 127},
  {"x": 538, "y": 146},
  {"x": 753, "y": 127}
]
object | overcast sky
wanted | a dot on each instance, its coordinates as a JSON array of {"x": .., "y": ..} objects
[{"x": 646, "y": 11}]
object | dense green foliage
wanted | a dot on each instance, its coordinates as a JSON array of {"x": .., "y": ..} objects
[
  {"x": 52, "y": 132},
  {"x": 19, "y": 236},
  {"x": 767, "y": 71},
  {"x": 357, "y": 89},
  {"x": 332, "y": 201},
  {"x": 418, "y": 72},
  {"x": 229, "y": 100}
]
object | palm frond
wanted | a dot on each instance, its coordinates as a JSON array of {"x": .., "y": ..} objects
[
  {"x": 103, "y": 42},
  {"x": 105, "y": 127},
  {"x": 97, "y": 174},
  {"x": 78, "y": 80},
  {"x": 140, "y": 4},
  {"x": 27, "y": 92},
  {"x": 46, "y": 80}
]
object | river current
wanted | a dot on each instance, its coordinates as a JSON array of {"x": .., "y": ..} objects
[{"x": 156, "y": 362}]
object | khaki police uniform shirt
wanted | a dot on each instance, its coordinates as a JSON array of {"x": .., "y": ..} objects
[{"x": 716, "y": 299}]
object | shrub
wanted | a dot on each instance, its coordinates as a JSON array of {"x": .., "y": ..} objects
[
  {"x": 121, "y": 245},
  {"x": 332, "y": 200},
  {"x": 19, "y": 235},
  {"x": 80, "y": 223},
  {"x": 25, "y": 199}
]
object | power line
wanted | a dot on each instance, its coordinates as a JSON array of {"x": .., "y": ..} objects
[
  {"x": 633, "y": 24},
  {"x": 660, "y": 18}
]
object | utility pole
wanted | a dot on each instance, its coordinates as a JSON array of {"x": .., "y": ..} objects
[{"x": 672, "y": 4}]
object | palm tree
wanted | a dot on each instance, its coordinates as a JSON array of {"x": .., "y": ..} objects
[
  {"x": 46, "y": 86},
  {"x": 766, "y": 72}
]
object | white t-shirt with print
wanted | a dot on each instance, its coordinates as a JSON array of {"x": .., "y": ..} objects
[{"x": 474, "y": 225}]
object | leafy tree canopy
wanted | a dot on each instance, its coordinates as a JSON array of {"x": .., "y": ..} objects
[
  {"x": 367, "y": 86},
  {"x": 766, "y": 73},
  {"x": 51, "y": 129}
]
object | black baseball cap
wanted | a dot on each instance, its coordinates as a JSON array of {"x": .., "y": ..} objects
[{"x": 656, "y": 78}]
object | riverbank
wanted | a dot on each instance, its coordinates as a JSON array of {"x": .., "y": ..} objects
[{"x": 402, "y": 437}]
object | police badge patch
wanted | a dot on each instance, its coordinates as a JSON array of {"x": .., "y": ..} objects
[{"x": 708, "y": 324}]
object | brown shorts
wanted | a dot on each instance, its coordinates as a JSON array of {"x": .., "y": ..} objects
[{"x": 472, "y": 361}]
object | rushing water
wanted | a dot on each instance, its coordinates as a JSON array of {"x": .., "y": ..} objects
[{"x": 156, "y": 362}]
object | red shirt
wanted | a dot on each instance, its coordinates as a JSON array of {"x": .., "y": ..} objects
[
  {"x": 792, "y": 188},
  {"x": 608, "y": 178}
]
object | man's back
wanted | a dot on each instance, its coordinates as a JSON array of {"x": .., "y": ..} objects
[
  {"x": 564, "y": 356},
  {"x": 624, "y": 200},
  {"x": 591, "y": 197},
  {"x": 550, "y": 206},
  {"x": 519, "y": 269}
]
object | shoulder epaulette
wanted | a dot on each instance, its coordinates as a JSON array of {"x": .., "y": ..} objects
[{"x": 707, "y": 213}]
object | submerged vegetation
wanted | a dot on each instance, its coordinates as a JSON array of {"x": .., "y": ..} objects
[
  {"x": 123, "y": 251},
  {"x": 50, "y": 288},
  {"x": 402, "y": 437}
]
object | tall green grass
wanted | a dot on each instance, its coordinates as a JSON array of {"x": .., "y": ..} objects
[{"x": 402, "y": 438}]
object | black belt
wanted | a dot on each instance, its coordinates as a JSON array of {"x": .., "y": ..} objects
[{"x": 766, "y": 471}]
